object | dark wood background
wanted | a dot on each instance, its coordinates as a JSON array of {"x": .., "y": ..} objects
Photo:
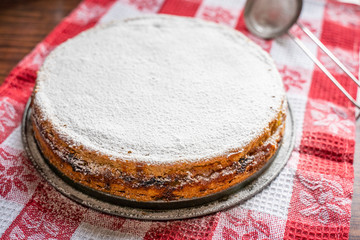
[{"x": 24, "y": 23}]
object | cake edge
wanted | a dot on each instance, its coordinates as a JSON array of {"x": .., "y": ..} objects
[{"x": 149, "y": 182}]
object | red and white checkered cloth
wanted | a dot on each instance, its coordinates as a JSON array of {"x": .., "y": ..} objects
[{"x": 311, "y": 198}]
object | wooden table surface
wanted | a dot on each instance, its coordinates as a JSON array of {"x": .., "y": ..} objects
[{"x": 24, "y": 23}]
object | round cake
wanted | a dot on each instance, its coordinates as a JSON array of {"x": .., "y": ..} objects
[{"x": 159, "y": 108}]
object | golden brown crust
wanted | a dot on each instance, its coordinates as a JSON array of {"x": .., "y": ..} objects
[{"x": 151, "y": 182}]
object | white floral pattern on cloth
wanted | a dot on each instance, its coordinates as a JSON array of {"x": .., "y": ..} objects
[
  {"x": 323, "y": 199},
  {"x": 350, "y": 61},
  {"x": 88, "y": 12},
  {"x": 47, "y": 216},
  {"x": 16, "y": 174},
  {"x": 292, "y": 79},
  {"x": 40, "y": 223},
  {"x": 10, "y": 116},
  {"x": 342, "y": 14},
  {"x": 255, "y": 229},
  {"x": 328, "y": 117},
  {"x": 239, "y": 223},
  {"x": 217, "y": 14},
  {"x": 144, "y": 5},
  {"x": 7, "y": 115}
]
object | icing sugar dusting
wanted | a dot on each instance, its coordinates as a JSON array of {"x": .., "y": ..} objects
[{"x": 159, "y": 89}]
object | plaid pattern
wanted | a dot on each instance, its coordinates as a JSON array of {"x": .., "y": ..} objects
[{"x": 311, "y": 198}]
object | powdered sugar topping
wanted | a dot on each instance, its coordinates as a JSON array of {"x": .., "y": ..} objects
[{"x": 159, "y": 89}]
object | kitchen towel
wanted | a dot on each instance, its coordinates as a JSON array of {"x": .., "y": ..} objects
[{"x": 311, "y": 198}]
